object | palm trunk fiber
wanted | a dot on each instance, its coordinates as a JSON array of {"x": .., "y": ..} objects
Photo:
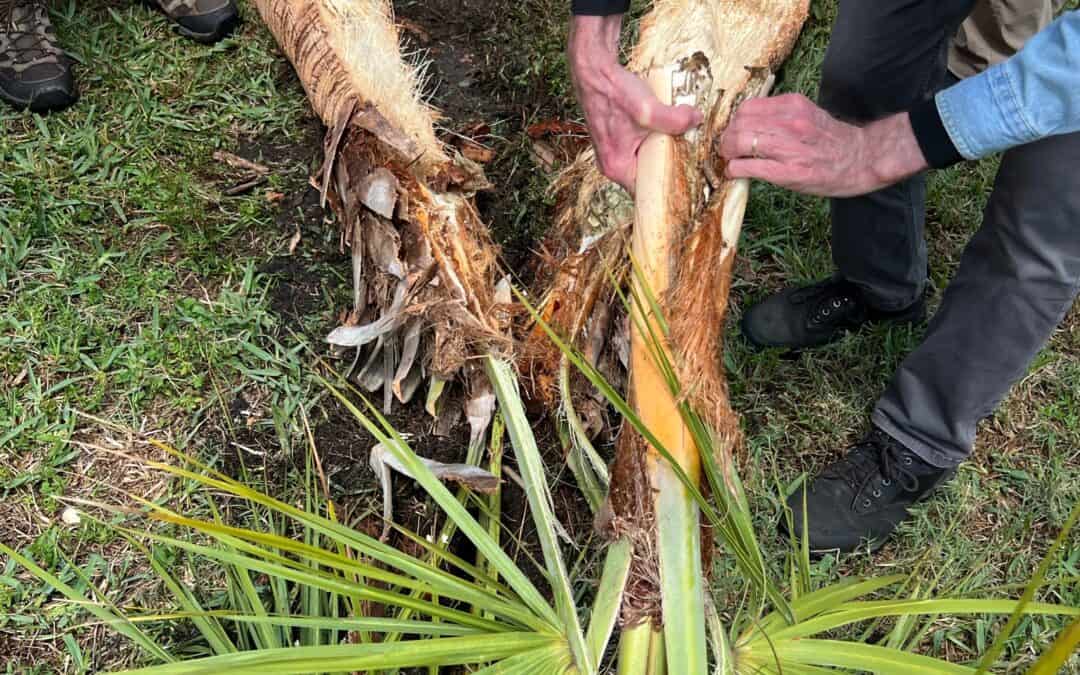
[
  {"x": 424, "y": 266},
  {"x": 712, "y": 54}
]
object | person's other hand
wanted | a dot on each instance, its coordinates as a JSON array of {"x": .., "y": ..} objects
[
  {"x": 620, "y": 110},
  {"x": 789, "y": 141}
]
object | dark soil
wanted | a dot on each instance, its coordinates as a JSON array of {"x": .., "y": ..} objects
[
  {"x": 298, "y": 293},
  {"x": 488, "y": 66},
  {"x": 345, "y": 447}
]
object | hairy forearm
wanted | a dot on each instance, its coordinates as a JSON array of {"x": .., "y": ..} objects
[
  {"x": 593, "y": 55},
  {"x": 593, "y": 43},
  {"x": 891, "y": 151}
]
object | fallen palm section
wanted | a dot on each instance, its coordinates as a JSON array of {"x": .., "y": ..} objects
[
  {"x": 425, "y": 293},
  {"x": 627, "y": 316}
]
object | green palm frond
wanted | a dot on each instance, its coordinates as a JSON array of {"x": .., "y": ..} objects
[{"x": 299, "y": 582}]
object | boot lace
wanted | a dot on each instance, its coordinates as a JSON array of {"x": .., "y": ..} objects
[
  {"x": 833, "y": 300},
  {"x": 878, "y": 455},
  {"x": 29, "y": 38}
]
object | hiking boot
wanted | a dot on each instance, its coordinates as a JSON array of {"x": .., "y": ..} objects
[
  {"x": 205, "y": 21},
  {"x": 864, "y": 496},
  {"x": 797, "y": 318},
  {"x": 35, "y": 72}
]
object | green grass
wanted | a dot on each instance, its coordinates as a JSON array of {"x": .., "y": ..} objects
[
  {"x": 129, "y": 285},
  {"x": 130, "y": 290}
]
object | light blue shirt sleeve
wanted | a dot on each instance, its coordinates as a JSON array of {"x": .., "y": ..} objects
[{"x": 1030, "y": 96}]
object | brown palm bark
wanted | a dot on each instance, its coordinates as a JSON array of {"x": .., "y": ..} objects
[{"x": 424, "y": 267}]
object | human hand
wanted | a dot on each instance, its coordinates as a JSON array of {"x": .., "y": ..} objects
[
  {"x": 620, "y": 109},
  {"x": 789, "y": 141}
]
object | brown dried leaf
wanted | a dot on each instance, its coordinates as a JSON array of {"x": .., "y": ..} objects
[
  {"x": 357, "y": 336},
  {"x": 477, "y": 153},
  {"x": 378, "y": 191},
  {"x": 331, "y": 144},
  {"x": 357, "y": 256},
  {"x": 370, "y": 119},
  {"x": 556, "y": 127},
  {"x": 544, "y": 155},
  {"x": 383, "y": 244},
  {"x": 411, "y": 384},
  {"x": 370, "y": 377},
  {"x": 448, "y": 417},
  {"x": 472, "y": 477},
  {"x": 409, "y": 348},
  {"x": 479, "y": 410},
  {"x": 238, "y": 162}
]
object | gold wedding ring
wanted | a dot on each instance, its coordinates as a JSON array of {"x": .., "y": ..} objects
[{"x": 753, "y": 148}]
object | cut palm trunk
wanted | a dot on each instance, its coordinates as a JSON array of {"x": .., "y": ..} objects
[
  {"x": 424, "y": 267},
  {"x": 686, "y": 221}
]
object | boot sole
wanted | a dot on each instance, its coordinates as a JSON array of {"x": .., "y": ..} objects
[
  {"x": 220, "y": 32},
  {"x": 48, "y": 99},
  {"x": 223, "y": 30}
]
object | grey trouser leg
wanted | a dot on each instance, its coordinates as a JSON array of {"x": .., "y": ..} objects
[
  {"x": 883, "y": 57},
  {"x": 1018, "y": 276}
]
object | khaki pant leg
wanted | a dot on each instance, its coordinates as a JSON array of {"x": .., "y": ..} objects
[{"x": 997, "y": 29}]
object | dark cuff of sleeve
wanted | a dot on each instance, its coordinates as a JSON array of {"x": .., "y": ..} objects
[
  {"x": 599, "y": 7},
  {"x": 934, "y": 141}
]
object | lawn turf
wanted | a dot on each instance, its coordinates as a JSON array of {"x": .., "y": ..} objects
[{"x": 132, "y": 289}]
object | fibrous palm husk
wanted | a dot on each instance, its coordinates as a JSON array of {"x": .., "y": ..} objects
[
  {"x": 584, "y": 256},
  {"x": 717, "y": 53},
  {"x": 737, "y": 45},
  {"x": 424, "y": 268}
]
